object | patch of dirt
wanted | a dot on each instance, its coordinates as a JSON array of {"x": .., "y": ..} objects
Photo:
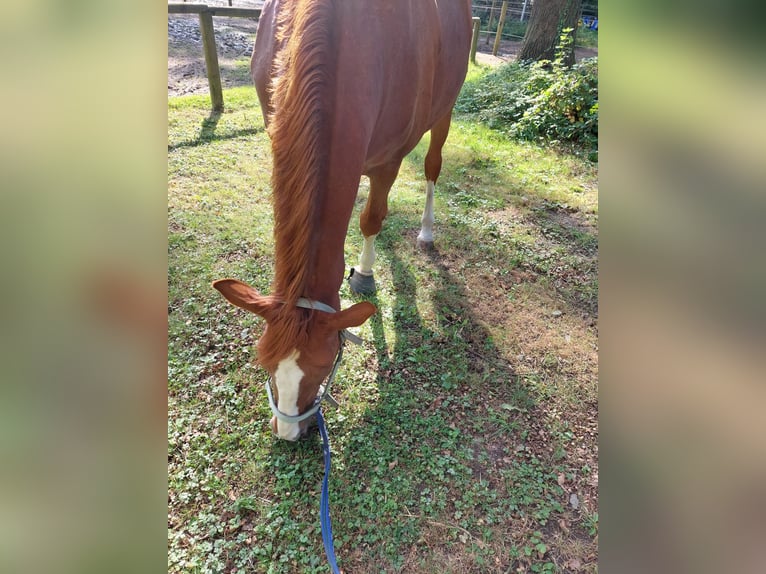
[
  {"x": 509, "y": 49},
  {"x": 570, "y": 220},
  {"x": 558, "y": 349},
  {"x": 186, "y": 62}
]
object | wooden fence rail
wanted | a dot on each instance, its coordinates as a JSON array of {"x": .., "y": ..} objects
[
  {"x": 214, "y": 10},
  {"x": 206, "y": 14}
]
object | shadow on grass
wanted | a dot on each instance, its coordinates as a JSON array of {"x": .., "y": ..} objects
[
  {"x": 436, "y": 389},
  {"x": 551, "y": 239},
  {"x": 207, "y": 133}
]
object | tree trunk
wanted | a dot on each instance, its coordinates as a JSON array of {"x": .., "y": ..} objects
[
  {"x": 547, "y": 20},
  {"x": 569, "y": 19}
]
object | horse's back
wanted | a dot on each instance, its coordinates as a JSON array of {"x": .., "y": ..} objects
[{"x": 398, "y": 70}]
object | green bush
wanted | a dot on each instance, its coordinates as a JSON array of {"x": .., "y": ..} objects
[{"x": 544, "y": 101}]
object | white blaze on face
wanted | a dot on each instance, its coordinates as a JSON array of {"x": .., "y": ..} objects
[{"x": 288, "y": 380}]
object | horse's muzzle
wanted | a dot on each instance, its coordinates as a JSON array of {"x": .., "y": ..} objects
[{"x": 304, "y": 428}]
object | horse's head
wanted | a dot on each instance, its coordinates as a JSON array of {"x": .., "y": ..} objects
[{"x": 298, "y": 348}]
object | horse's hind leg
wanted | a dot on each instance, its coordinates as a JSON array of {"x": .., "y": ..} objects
[
  {"x": 433, "y": 166},
  {"x": 370, "y": 222}
]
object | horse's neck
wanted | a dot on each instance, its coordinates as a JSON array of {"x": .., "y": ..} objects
[
  {"x": 321, "y": 263},
  {"x": 328, "y": 267},
  {"x": 346, "y": 159},
  {"x": 318, "y": 149}
]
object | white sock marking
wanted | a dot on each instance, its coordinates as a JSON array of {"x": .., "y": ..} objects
[
  {"x": 427, "y": 221},
  {"x": 367, "y": 259},
  {"x": 288, "y": 378}
]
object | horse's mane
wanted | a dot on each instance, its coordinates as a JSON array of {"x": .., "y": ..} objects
[{"x": 300, "y": 126}]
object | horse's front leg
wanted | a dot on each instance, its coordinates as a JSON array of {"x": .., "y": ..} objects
[{"x": 371, "y": 222}]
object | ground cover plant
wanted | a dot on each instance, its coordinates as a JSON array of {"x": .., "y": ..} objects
[
  {"x": 466, "y": 440},
  {"x": 539, "y": 101}
]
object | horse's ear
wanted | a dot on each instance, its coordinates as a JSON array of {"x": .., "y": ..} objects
[
  {"x": 351, "y": 317},
  {"x": 244, "y": 296}
]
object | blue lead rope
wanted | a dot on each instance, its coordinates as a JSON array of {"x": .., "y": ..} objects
[{"x": 324, "y": 506}]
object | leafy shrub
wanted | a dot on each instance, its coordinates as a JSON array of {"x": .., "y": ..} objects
[{"x": 542, "y": 100}]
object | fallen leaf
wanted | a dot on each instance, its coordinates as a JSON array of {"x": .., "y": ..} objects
[
  {"x": 509, "y": 407},
  {"x": 574, "y": 501}
]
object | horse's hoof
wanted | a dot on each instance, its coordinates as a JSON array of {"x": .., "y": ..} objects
[
  {"x": 424, "y": 245},
  {"x": 361, "y": 284}
]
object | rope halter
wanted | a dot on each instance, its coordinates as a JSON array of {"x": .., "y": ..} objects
[{"x": 324, "y": 394}]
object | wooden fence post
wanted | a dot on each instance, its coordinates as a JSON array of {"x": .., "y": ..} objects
[
  {"x": 500, "y": 25},
  {"x": 211, "y": 59},
  {"x": 489, "y": 24},
  {"x": 475, "y": 38}
]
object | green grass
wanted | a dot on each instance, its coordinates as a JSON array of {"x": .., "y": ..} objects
[{"x": 467, "y": 418}]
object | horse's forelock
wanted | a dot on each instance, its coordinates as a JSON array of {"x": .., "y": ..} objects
[{"x": 288, "y": 331}]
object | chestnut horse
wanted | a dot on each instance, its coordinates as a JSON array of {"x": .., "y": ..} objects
[{"x": 347, "y": 89}]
